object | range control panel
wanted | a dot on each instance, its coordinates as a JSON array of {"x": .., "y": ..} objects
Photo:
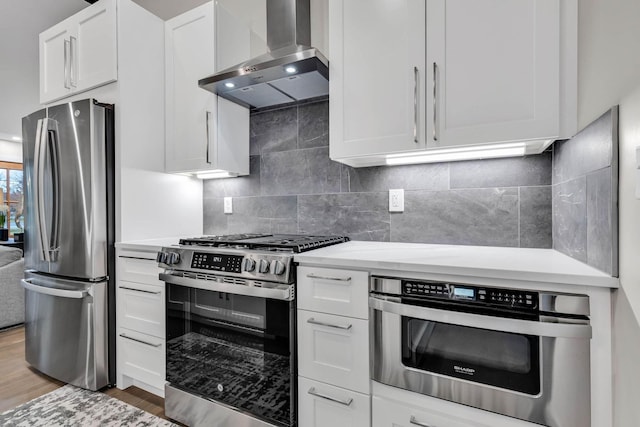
[
  {"x": 471, "y": 294},
  {"x": 217, "y": 262}
]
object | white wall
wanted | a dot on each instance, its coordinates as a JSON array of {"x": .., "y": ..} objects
[
  {"x": 608, "y": 56},
  {"x": 609, "y": 74},
  {"x": 10, "y": 151}
]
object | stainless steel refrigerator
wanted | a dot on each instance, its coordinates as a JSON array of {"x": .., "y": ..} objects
[{"x": 68, "y": 242}]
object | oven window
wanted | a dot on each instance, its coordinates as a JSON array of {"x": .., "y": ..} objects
[
  {"x": 489, "y": 357},
  {"x": 235, "y": 349}
]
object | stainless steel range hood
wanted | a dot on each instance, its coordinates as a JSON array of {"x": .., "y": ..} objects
[{"x": 290, "y": 72}]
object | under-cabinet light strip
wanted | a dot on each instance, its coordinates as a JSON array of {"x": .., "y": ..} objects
[{"x": 454, "y": 154}]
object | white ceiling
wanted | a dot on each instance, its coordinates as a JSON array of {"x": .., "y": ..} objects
[{"x": 166, "y": 9}]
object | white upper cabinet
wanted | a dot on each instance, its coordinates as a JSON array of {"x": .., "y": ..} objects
[
  {"x": 409, "y": 76},
  {"x": 79, "y": 53},
  {"x": 203, "y": 132},
  {"x": 376, "y": 75},
  {"x": 497, "y": 71}
]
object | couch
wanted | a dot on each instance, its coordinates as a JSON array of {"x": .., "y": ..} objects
[{"x": 11, "y": 291}]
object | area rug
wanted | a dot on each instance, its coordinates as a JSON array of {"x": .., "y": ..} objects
[{"x": 71, "y": 406}]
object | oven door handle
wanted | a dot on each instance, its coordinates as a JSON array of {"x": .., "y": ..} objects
[
  {"x": 515, "y": 326},
  {"x": 283, "y": 292}
]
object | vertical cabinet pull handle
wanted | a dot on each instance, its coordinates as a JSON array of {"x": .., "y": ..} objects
[
  {"x": 67, "y": 44},
  {"x": 435, "y": 101},
  {"x": 415, "y": 422},
  {"x": 416, "y": 77},
  {"x": 208, "y": 119},
  {"x": 72, "y": 61}
]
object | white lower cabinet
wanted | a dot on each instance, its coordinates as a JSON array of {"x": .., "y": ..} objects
[
  {"x": 334, "y": 349},
  {"x": 387, "y": 413},
  {"x": 323, "y": 405},
  {"x": 142, "y": 358},
  {"x": 140, "y": 301}
]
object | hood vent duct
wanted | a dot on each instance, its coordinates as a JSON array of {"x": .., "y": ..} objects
[{"x": 292, "y": 70}]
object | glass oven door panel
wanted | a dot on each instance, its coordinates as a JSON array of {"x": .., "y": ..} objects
[
  {"x": 219, "y": 350},
  {"x": 500, "y": 359}
]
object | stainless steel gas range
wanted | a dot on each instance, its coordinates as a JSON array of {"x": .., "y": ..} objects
[{"x": 231, "y": 328}]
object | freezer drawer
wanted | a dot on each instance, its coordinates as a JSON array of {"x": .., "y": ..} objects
[{"x": 66, "y": 329}]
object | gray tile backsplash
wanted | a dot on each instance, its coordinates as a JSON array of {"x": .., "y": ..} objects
[
  {"x": 295, "y": 188},
  {"x": 585, "y": 194}
]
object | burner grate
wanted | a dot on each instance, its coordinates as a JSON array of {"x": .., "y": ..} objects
[{"x": 278, "y": 242}]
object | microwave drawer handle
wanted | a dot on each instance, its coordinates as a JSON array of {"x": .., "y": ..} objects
[
  {"x": 140, "y": 290},
  {"x": 516, "y": 326},
  {"x": 415, "y": 422},
  {"x": 336, "y": 279},
  {"x": 330, "y": 325},
  {"x": 346, "y": 402},
  {"x": 140, "y": 341}
]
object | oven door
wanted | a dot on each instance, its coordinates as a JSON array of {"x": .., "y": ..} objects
[
  {"x": 531, "y": 370},
  {"x": 233, "y": 349}
]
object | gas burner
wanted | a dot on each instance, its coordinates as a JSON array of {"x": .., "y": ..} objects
[{"x": 291, "y": 243}]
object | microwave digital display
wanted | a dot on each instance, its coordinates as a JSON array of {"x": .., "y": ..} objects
[{"x": 464, "y": 293}]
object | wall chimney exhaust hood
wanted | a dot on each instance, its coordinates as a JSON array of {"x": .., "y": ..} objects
[{"x": 291, "y": 71}]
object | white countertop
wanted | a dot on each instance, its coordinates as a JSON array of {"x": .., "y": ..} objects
[
  {"x": 542, "y": 265},
  {"x": 149, "y": 244}
]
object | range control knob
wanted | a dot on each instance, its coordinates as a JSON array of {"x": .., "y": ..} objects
[
  {"x": 277, "y": 267},
  {"x": 263, "y": 266},
  {"x": 161, "y": 257},
  {"x": 248, "y": 264},
  {"x": 173, "y": 258}
]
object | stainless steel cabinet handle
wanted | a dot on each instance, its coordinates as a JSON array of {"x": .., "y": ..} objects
[
  {"x": 330, "y": 325},
  {"x": 337, "y": 279},
  {"x": 66, "y": 64},
  {"x": 72, "y": 61},
  {"x": 56, "y": 292},
  {"x": 416, "y": 76},
  {"x": 140, "y": 290},
  {"x": 346, "y": 402},
  {"x": 140, "y": 341},
  {"x": 208, "y": 119},
  {"x": 415, "y": 422},
  {"x": 435, "y": 101}
]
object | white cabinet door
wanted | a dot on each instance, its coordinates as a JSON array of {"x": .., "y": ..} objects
[
  {"x": 377, "y": 67},
  {"x": 494, "y": 69},
  {"x": 79, "y": 53},
  {"x": 189, "y": 56},
  {"x": 94, "y": 46},
  {"x": 334, "y": 349},
  {"x": 55, "y": 62},
  {"x": 323, "y": 405},
  {"x": 142, "y": 357},
  {"x": 141, "y": 308},
  {"x": 203, "y": 132}
]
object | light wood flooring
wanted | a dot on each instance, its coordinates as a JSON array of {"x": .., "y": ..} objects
[{"x": 19, "y": 383}]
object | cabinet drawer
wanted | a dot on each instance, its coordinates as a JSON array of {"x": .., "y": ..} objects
[
  {"x": 141, "y": 308},
  {"x": 407, "y": 409},
  {"x": 141, "y": 357},
  {"x": 329, "y": 290},
  {"x": 322, "y": 405},
  {"x": 139, "y": 267},
  {"x": 334, "y": 349}
]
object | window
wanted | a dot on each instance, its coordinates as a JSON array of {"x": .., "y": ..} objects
[{"x": 11, "y": 187}]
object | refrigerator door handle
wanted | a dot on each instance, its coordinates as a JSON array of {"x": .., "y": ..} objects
[
  {"x": 56, "y": 292},
  {"x": 47, "y": 142}
]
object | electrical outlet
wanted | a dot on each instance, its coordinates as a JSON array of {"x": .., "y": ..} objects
[
  {"x": 228, "y": 205},
  {"x": 396, "y": 200}
]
